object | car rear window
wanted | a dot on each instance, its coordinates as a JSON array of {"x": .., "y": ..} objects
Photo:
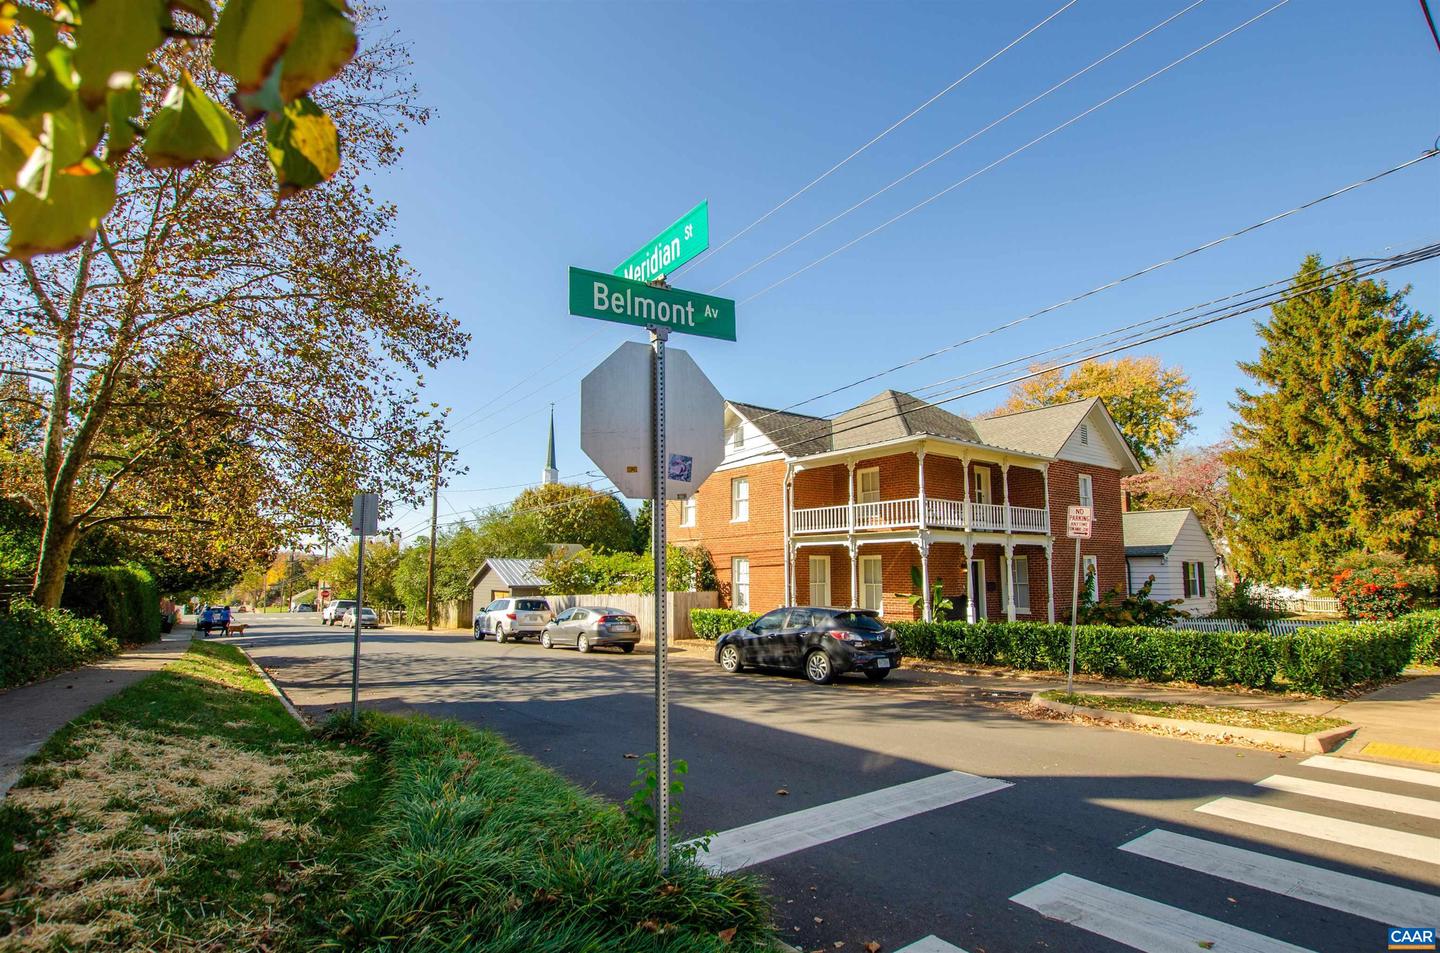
[
  {"x": 859, "y": 621},
  {"x": 532, "y": 605}
]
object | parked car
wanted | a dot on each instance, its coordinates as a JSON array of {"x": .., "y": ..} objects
[
  {"x": 303, "y": 607},
  {"x": 368, "y": 618},
  {"x": 512, "y": 618},
  {"x": 588, "y": 627},
  {"x": 821, "y": 642},
  {"x": 334, "y": 610},
  {"x": 211, "y": 618}
]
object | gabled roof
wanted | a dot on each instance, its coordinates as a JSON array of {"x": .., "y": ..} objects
[
  {"x": 515, "y": 573},
  {"x": 1043, "y": 431},
  {"x": 1152, "y": 532},
  {"x": 796, "y": 435},
  {"x": 890, "y": 415}
]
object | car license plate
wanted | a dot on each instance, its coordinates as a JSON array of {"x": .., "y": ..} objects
[
  {"x": 532, "y": 619},
  {"x": 622, "y": 627},
  {"x": 882, "y": 663}
]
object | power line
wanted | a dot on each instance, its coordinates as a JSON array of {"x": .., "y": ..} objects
[
  {"x": 893, "y": 126},
  {"x": 1009, "y": 155},
  {"x": 968, "y": 139},
  {"x": 458, "y": 425}
]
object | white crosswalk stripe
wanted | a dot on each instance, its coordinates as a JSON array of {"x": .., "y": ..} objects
[
  {"x": 1366, "y": 836},
  {"x": 1388, "y": 772},
  {"x": 1140, "y": 923},
  {"x": 1345, "y": 794},
  {"x": 931, "y": 944},
  {"x": 1155, "y": 927},
  {"x": 1326, "y": 888}
]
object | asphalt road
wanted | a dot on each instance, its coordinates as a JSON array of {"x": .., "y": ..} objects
[{"x": 1073, "y": 796}]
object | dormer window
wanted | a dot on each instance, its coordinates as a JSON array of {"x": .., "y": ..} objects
[{"x": 736, "y": 437}]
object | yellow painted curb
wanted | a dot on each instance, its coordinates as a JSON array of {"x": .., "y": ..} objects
[{"x": 1385, "y": 749}]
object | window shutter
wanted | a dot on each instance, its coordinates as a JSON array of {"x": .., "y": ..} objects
[
  {"x": 1200, "y": 576},
  {"x": 1185, "y": 572}
]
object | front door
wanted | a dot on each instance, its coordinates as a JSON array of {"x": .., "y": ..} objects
[{"x": 977, "y": 587}]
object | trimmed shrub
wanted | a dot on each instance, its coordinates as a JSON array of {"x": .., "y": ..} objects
[
  {"x": 124, "y": 598},
  {"x": 710, "y": 624},
  {"x": 1377, "y": 592},
  {"x": 1424, "y": 628},
  {"x": 1332, "y": 658},
  {"x": 36, "y": 642}
]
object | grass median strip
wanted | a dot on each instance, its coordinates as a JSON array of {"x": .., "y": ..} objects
[
  {"x": 1211, "y": 714},
  {"x": 191, "y": 812}
]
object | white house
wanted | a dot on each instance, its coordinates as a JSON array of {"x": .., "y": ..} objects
[{"x": 1172, "y": 546}]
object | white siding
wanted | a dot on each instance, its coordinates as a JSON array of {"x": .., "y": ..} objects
[
  {"x": 1167, "y": 584},
  {"x": 1100, "y": 449},
  {"x": 758, "y": 448},
  {"x": 1191, "y": 545}
]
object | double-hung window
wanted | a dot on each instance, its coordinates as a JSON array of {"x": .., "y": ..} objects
[
  {"x": 1020, "y": 583},
  {"x": 740, "y": 584},
  {"x": 1194, "y": 580},
  {"x": 687, "y": 511},
  {"x": 820, "y": 580},
  {"x": 872, "y": 583},
  {"x": 1087, "y": 492},
  {"x": 739, "y": 499}
]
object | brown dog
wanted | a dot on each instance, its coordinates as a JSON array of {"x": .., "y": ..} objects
[{"x": 234, "y": 628}]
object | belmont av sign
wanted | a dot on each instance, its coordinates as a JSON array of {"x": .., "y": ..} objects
[
  {"x": 679, "y": 243},
  {"x": 594, "y": 294}
]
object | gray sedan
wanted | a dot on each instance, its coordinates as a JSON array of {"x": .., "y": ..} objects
[{"x": 587, "y": 627}]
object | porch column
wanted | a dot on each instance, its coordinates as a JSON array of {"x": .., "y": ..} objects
[
  {"x": 1005, "y": 479},
  {"x": 928, "y": 613},
  {"x": 1045, "y": 479},
  {"x": 1049, "y": 582},
  {"x": 789, "y": 506},
  {"x": 854, "y": 574},
  {"x": 920, "y": 468},
  {"x": 850, "y": 500},
  {"x": 965, "y": 472},
  {"x": 1009, "y": 581},
  {"x": 969, "y": 577}
]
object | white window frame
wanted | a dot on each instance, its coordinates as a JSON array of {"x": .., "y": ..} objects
[
  {"x": 740, "y": 583},
  {"x": 1020, "y": 583},
  {"x": 981, "y": 484},
  {"x": 687, "y": 510},
  {"x": 867, "y": 587},
  {"x": 820, "y": 594},
  {"x": 1088, "y": 562},
  {"x": 863, "y": 495},
  {"x": 975, "y": 587},
  {"x": 735, "y": 439},
  {"x": 740, "y": 501},
  {"x": 1085, "y": 489}
]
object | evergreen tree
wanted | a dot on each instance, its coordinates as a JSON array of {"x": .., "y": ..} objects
[{"x": 1338, "y": 447}]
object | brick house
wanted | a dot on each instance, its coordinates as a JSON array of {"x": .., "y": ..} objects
[{"x": 836, "y": 511}]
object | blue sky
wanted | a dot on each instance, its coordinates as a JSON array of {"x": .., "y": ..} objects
[{"x": 569, "y": 133}]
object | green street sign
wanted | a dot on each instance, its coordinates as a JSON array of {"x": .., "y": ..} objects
[
  {"x": 594, "y": 294},
  {"x": 679, "y": 243}
]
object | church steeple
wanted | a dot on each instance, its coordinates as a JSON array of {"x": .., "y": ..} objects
[{"x": 551, "y": 475}]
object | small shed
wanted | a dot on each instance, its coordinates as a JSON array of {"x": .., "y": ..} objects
[
  {"x": 1172, "y": 546},
  {"x": 500, "y": 577}
]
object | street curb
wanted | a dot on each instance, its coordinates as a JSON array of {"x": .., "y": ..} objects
[
  {"x": 275, "y": 690},
  {"x": 1318, "y": 742}
]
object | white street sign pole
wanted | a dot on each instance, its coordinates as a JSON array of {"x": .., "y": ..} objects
[
  {"x": 661, "y": 588},
  {"x": 359, "y": 602},
  {"x": 1074, "y": 617}
]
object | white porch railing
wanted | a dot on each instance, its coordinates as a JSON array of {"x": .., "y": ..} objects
[{"x": 902, "y": 514}]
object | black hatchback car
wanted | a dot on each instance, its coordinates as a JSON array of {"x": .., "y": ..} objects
[{"x": 822, "y": 643}]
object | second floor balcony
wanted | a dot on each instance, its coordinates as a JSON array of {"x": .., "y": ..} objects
[{"x": 905, "y": 514}]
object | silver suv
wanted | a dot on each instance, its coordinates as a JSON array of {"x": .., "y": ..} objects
[
  {"x": 334, "y": 611},
  {"x": 512, "y": 618}
]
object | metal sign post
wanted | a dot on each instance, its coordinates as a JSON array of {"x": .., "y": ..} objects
[
  {"x": 662, "y": 589},
  {"x": 364, "y": 521},
  {"x": 1077, "y": 526}
]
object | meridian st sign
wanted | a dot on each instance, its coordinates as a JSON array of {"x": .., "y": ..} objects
[
  {"x": 682, "y": 241},
  {"x": 594, "y": 294}
]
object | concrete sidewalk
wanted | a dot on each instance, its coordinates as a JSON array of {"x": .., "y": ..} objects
[
  {"x": 29, "y": 715},
  {"x": 1399, "y": 723}
]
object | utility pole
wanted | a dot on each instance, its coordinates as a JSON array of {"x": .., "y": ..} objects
[{"x": 434, "y": 517}]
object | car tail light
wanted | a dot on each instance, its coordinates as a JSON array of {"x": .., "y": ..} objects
[
  {"x": 509, "y": 615},
  {"x": 844, "y": 636}
]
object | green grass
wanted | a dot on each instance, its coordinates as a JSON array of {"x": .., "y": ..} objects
[
  {"x": 191, "y": 812},
  {"x": 1211, "y": 714}
]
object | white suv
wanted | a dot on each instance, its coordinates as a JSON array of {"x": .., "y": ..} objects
[
  {"x": 512, "y": 618},
  {"x": 334, "y": 611}
]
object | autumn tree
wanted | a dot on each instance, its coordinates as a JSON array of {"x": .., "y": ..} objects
[
  {"x": 1193, "y": 478},
  {"x": 217, "y": 371},
  {"x": 1153, "y": 405},
  {"x": 566, "y": 513},
  {"x": 1337, "y": 445}
]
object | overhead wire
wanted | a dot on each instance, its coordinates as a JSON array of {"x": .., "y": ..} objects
[
  {"x": 891, "y": 128},
  {"x": 1014, "y": 152},
  {"x": 968, "y": 139}
]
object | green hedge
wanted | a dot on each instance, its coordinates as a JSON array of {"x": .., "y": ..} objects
[
  {"x": 712, "y": 623},
  {"x": 1424, "y": 628},
  {"x": 36, "y": 642},
  {"x": 1325, "y": 660},
  {"x": 125, "y": 598}
]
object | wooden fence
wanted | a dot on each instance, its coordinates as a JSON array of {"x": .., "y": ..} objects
[{"x": 643, "y": 608}]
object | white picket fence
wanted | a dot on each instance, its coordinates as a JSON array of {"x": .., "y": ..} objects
[{"x": 642, "y": 607}]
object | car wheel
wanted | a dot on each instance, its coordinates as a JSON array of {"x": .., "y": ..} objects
[
  {"x": 500, "y": 635},
  {"x": 730, "y": 660},
  {"x": 818, "y": 668},
  {"x": 583, "y": 643},
  {"x": 627, "y": 647},
  {"x": 479, "y": 633},
  {"x": 545, "y": 642},
  {"x": 877, "y": 675}
]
